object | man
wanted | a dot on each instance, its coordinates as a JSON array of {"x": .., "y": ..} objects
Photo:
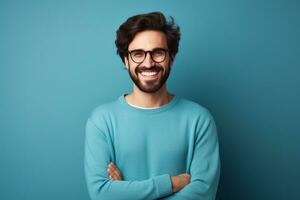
[{"x": 150, "y": 144}]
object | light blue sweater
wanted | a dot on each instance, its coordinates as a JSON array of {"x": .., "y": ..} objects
[{"x": 149, "y": 146}]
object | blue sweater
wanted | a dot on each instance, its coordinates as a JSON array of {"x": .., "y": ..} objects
[{"x": 149, "y": 146}]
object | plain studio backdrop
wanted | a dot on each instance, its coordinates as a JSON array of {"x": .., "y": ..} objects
[{"x": 238, "y": 58}]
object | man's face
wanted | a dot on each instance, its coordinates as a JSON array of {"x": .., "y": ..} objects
[{"x": 158, "y": 73}]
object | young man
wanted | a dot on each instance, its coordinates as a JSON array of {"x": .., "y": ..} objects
[{"x": 151, "y": 144}]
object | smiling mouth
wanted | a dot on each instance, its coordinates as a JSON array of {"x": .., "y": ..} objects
[{"x": 149, "y": 75}]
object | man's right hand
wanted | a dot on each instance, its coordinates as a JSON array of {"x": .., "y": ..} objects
[{"x": 179, "y": 181}]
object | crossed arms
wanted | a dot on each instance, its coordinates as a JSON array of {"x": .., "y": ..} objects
[{"x": 202, "y": 183}]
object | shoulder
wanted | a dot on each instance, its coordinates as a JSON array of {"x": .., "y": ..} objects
[
  {"x": 102, "y": 111},
  {"x": 194, "y": 108},
  {"x": 200, "y": 116}
]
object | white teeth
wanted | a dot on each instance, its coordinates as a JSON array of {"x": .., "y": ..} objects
[{"x": 149, "y": 73}]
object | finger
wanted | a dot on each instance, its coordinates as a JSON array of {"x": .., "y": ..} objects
[
  {"x": 113, "y": 166},
  {"x": 117, "y": 172},
  {"x": 115, "y": 169},
  {"x": 185, "y": 175},
  {"x": 113, "y": 173},
  {"x": 116, "y": 177},
  {"x": 110, "y": 173},
  {"x": 112, "y": 170}
]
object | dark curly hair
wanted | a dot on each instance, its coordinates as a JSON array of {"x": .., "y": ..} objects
[{"x": 148, "y": 21}]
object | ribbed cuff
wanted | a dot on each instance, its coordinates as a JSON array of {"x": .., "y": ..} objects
[{"x": 163, "y": 185}]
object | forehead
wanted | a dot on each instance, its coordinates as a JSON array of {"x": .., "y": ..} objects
[{"x": 148, "y": 40}]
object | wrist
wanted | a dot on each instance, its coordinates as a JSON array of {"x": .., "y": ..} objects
[{"x": 174, "y": 185}]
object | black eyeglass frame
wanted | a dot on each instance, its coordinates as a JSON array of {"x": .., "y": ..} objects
[{"x": 151, "y": 54}]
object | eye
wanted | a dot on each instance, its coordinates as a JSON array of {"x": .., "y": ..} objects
[
  {"x": 158, "y": 52},
  {"x": 137, "y": 54}
]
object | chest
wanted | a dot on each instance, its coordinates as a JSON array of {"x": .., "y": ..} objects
[{"x": 153, "y": 142}]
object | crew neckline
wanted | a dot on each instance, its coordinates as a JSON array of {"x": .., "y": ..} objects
[
  {"x": 142, "y": 107},
  {"x": 164, "y": 107}
]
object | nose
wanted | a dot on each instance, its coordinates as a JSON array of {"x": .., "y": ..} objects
[{"x": 148, "y": 62}]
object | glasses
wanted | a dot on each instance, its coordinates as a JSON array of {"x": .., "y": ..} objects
[{"x": 158, "y": 55}]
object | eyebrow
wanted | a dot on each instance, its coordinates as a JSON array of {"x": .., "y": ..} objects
[{"x": 156, "y": 48}]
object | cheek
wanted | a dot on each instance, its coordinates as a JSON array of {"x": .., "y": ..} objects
[
  {"x": 133, "y": 70},
  {"x": 166, "y": 66},
  {"x": 167, "y": 62}
]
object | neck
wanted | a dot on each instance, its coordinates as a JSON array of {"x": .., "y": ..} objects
[{"x": 148, "y": 100}]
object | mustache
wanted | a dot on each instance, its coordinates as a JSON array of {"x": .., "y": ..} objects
[{"x": 152, "y": 68}]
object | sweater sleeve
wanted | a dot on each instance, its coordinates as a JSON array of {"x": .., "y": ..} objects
[
  {"x": 96, "y": 159},
  {"x": 205, "y": 166}
]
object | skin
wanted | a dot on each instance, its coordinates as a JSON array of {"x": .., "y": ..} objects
[
  {"x": 149, "y": 93},
  {"x": 178, "y": 182},
  {"x": 148, "y": 40}
]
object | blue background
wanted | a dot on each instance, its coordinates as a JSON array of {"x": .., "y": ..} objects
[{"x": 240, "y": 59}]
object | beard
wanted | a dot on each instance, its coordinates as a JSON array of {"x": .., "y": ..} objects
[{"x": 153, "y": 85}]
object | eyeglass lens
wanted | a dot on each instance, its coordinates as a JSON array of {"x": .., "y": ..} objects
[{"x": 157, "y": 55}]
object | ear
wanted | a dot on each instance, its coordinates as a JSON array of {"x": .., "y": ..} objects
[
  {"x": 126, "y": 62},
  {"x": 171, "y": 60}
]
